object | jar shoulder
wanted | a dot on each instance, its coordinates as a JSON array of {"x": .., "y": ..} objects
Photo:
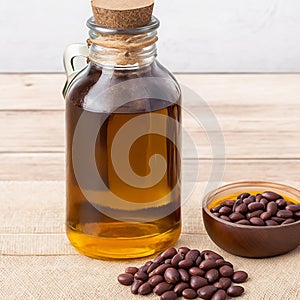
[{"x": 105, "y": 90}]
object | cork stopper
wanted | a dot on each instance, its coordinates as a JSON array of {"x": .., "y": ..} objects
[{"x": 122, "y": 14}]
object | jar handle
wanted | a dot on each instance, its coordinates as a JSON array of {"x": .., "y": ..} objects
[{"x": 71, "y": 52}]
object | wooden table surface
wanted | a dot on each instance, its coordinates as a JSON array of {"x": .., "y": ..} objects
[{"x": 260, "y": 120}]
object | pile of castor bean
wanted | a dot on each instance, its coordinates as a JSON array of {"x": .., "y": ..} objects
[
  {"x": 187, "y": 273},
  {"x": 265, "y": 209}
]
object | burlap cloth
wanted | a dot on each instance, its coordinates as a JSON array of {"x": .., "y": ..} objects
[{"x": 37, "y": 261}]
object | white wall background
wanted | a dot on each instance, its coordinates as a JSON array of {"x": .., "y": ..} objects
[{"x": 195, "y": 35}]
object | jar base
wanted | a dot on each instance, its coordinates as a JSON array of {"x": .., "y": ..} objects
[{"x": 100, "y": 247}]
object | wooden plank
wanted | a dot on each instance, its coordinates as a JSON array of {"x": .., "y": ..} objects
[
  {"x": 272, "y": 91},
  {"x": 50, "y": 166},
  {"x": 31, "y": 91},
  {"x": 32, "y": 166},
  {"x": 241, "y": 89},
  {"x": 245, "y": 112},
  {"x": 43, "y": 131},
  {"x": 247, "y": 145},
  {"x": 32, "y": 131}
]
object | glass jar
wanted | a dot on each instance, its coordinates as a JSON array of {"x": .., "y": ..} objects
[{"x": 123, "y": 165}]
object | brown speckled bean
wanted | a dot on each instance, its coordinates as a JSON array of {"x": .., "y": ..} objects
[
  {"x": 145, "y": 289},
  {"x": 271, "y": 195},
  {"x": 285, "y": 214},
  {"x": 125, "y": 279},
  {"x": 160, "y": 269},
  {"x": 239, "y": 276},
  {"x": 236, "y": 204},
  {"x": 208, "y": 254},
  {"x": 135, "y": 286},
  {"x": 271, "y": 223},
  {"x": 225, "y": 218},
  {"x": 212, "y": 275},
  {"x": 272, "y": 208},
  {"x": 184, "y": 276},
  {"x": 242, "y": 209},
  {"x": 158, "y": 259},
  {"x": 169, "y": 253},
  {"x": 162, "y": 287},
  {"x": 225, "y": 210},
  {"x": 225, "y": 282},
  {"x": 131, "y": 270},
  {"x": 195, "y": 271},
  {"x": 214, "y": 210},
  {"x": 278, "y": 220},
  {"x": 243, "y": 196},
  {"x": 155, "y": 280},
  {"x": 281, "y": 203},
  {"x": 265, "y": 215},
  {"x": 248, "y": 201},
  {"x": 152, "y": 267},
  {"x": 178, "y": 289},
  {"x": 235, "y": 291},
  {"x": 219, "y": 295},
  {"x": 176, "y": 259},
  {"x": 171, "y": 275},
  {"x": 288, "y": 221},
  {"x": 197, "y": 282},
  {"x": 264, "y": 202},
  {"x": 254, "y": 214},
  {"x": 169, "y": 295},
  {"x": 243, "y": 222},
  {"x": 229, "y": 203},
  {"x": 226, "y": 271},
  {"x": 234, "y": 217},
  {"x": 185, "y": 264},
  {"x": 192, "y": 255},
  {"x": 208, "y": 264},
  {"x": 189, "y": 294},
  {"x": 255, "y": 206},
  {"x": 258, "y": 197},
  {"x": 257, "y": 221},
  {"x": 206, "y": 292},
  {"x": 143, "y": 269},
  {"x": 141, "y": 276},
  {"x": 293, "y": 207},
  {"x": 183, "y": 250}
]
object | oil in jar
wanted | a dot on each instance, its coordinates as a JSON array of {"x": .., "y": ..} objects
[{"x": 117, "y": 219}]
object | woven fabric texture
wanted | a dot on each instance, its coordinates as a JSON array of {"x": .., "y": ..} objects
[{"x": 37, "y": 261}]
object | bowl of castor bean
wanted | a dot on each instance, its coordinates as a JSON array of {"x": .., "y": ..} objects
[{"x": 253, "y": 218}]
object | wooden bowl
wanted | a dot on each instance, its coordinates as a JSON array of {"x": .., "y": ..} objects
[{"x": 245, "y": 240}]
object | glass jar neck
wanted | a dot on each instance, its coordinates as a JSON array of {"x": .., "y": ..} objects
[
  {"x": 123, "y": 49},
  {"x": 119, "y": 57}
]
